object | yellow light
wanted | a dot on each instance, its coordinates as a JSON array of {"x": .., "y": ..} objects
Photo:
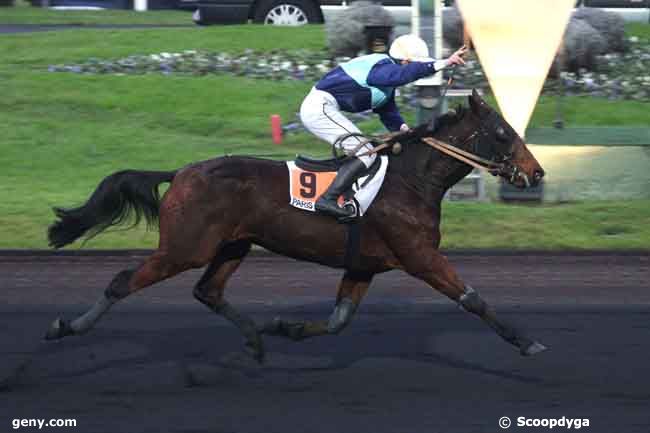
[{"x": 516, "y": 41}]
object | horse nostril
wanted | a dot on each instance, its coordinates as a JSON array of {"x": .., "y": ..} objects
[{"x": 538, "y": 175}]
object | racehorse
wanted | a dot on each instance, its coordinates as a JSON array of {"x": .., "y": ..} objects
[{"x": 215, "y": 210}]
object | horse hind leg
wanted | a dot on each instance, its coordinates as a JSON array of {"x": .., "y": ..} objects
[
  {"x": 157, "y": 267},
  {"x": 209, "y": 291},
  {"x": 352, "y": 289},
  {"x": 185, "y": 243}
]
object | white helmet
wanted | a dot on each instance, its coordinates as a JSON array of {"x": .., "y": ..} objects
[{"x": 410, "y": 47}]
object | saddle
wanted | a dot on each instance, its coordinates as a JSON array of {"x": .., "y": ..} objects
[
  {"x": 319, "y": 165},
  {"x": 331, "y": 165},
  {"x": 309, "y": 178}
]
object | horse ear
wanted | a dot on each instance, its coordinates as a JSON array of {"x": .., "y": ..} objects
[{"x": 475, "y": 101}]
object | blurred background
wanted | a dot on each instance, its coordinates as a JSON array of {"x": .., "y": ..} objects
[{"x": 90, "y": 87}]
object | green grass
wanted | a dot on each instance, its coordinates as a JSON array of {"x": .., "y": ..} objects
[
  {"x": 640, "y": 30},
  {"x": 60, "y": 134},
  {"x": 610, "y": 225},
  {"x": 586, "y": 110},
  {"x": 24, "y": 13},
  {"x": 591, "y": 225},
  {"x": 35, "y": 51}
]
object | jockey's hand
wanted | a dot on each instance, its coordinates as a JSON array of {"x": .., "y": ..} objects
[
  {"x": 404, "y": 128},
  {"x": 457, "y": 57}
]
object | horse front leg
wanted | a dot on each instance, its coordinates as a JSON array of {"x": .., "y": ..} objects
[
  {"x": 352, "y": 289},
  {"x": 440, "y": 275}
]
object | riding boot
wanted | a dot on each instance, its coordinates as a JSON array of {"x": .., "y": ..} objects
[{"x": 347, "y": 174}]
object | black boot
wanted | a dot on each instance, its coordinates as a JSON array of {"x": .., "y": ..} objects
[{"x": 347, "y": 174}]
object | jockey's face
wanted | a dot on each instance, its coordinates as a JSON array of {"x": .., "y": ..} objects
[{"x": 405, "y": 62}]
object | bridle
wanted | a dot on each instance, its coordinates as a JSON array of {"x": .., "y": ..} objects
[
  {"x": 500, "y": 165},
  {"x": 504, "y": 168}
]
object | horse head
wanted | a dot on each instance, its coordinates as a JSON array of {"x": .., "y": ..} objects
[
  {"x": 495, "y": 140},
  {"x": 471, "y": 136}
]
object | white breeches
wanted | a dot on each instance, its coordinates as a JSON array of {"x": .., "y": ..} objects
[{"x": 322, "y": 117}]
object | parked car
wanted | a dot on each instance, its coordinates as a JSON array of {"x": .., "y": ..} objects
[
  {"x": 279, "y": 12},
  {"x": 299, "y": 12},
  {"x": 275, "y": 12}
]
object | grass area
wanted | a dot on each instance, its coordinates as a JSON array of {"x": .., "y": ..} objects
[
  {"x": 35, "y": 51},
  {"x": 600, "y": 225},
  {"x": 607, "y": 225},
  {"x": 640, "y": 30},
  {"x": 62, "y": 133},
  {"x": 587, "y": 110},
  {"x": 24, "y": 13}
]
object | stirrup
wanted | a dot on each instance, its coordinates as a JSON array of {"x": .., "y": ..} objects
[
  {"x": 331, "y": 208},
  {"x": 337, "y": 147},
  {"x": 352, "y": 206}
]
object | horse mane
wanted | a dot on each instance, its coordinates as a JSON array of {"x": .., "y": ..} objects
[{"x": 412, "y": 141}]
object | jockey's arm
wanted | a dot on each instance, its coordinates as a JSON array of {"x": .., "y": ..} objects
[
  {"x": 394, "y": 75},
  {"x": 389, "y": 115}
]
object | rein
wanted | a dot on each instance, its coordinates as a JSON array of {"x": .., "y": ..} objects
[
  {"x": 453, "y": 151},
  {"x": 464, "y": 156},
  {"x": 504, "y": 169}
]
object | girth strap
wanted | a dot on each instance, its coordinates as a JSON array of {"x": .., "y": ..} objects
[{"x": 352, "y": 245}]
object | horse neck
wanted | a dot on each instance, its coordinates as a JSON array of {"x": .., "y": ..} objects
[
  {"x": 428, "y": 171},
  {"x": 446, "y": 170}
]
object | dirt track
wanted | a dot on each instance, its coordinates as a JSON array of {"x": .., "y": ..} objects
[{"x": 410, "y": 362}]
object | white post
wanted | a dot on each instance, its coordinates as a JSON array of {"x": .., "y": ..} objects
[
  {"x": 415, "y": 17},
  {"x": 140, "y": 5},
  {"x": 437, "y": 29},
  {"x": 429, "y": 88}
]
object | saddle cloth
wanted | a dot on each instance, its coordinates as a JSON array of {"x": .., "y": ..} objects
[{"x": 309, "y": 179}]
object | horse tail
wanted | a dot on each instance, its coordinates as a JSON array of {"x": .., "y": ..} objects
[{"x": 118, "y": 197}]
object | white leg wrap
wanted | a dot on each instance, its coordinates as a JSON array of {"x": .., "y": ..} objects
[{"x": 86, "y": 321}]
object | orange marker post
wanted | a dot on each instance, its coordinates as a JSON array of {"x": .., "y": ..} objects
[{"x": 276, "y": 128}]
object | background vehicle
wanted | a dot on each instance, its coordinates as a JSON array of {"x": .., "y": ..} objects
[
  {"x": 276, "y": 12},
  {"x": 299, "y": 12}
]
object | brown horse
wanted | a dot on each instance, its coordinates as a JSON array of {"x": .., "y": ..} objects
[{"x": 215, "y": 210}]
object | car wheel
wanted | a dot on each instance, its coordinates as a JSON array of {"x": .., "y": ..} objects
[{"x": 286, "y": 12}]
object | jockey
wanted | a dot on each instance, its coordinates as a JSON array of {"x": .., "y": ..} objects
[{"x": 363, "y": 83}]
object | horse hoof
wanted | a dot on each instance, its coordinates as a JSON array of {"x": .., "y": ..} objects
[
  {"x": 58, "y": 329},
  {"x": 533, "y": 349}
]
